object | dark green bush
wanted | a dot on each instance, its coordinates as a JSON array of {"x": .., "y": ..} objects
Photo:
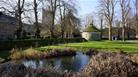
[{"x": 25, "y": 43}]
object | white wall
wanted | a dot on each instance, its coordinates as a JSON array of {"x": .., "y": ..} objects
[
  {"x": 86, "y": 35},
  {"x": 91, "y": 35}
]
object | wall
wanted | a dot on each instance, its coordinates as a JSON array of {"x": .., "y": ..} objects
[{"x": 91, "y": 35}]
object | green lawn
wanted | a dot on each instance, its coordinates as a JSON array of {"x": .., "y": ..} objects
[{"x": 100, "y": 45}]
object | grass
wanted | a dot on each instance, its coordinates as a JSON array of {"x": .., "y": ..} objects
[
  {"x": 28, "y": 54},
  {"x": 130, "y": 47}
]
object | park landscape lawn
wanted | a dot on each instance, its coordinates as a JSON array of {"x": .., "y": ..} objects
[
  {"x": 130, "y": 47},
  {"x": 106, "y": 46}
]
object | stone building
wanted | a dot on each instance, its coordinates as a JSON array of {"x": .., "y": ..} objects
[
  {"x": 91, "y": 33},
  {"x": 8, "y": 27}
]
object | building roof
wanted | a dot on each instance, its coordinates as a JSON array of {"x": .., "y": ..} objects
[
  {"x": 91, "y": 28},
  {"x": 8, "y": 23},
  {"x": 4, "y": 17}
]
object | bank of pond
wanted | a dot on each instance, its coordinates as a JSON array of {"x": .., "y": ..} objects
[
  {"x": 64, "y": 59},
  {"x": 69, "y": 63}
]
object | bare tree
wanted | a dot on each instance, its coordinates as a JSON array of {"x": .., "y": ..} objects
[
  {"x": 136, "y": 14},
  {"x": 62, "y": 10},
  {"x": 125, "y": 8},
  {"x": 52, "y": 5},
  {"x": 36, "y": 19},
  {"x": 100, "y": 15},
  {"x": 47, "y": 22},
  {"x": 136, "y": 10},
  {"x": 64, "y": 7},
  {"x": 108, "y": 8},
  {"x": 15, "y": 8},
  {"x": 8, "y": 7},
  {"x": 49, "y": 15},
  {"x": 88, "y": 19},
  {"x": 73, "y": 23},
  {"x": 20, "y": 8},
  {"x": 101, "y": 25}
]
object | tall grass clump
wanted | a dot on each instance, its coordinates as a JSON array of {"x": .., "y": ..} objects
[
  {"x": 25, "y": 54},
  {"x": 35, "y": 54},
  {"x": 110, "y": 65},
  {"x": 1, "y": 60}
]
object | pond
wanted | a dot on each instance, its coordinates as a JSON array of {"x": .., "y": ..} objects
[{"x": 74, "y": 63}]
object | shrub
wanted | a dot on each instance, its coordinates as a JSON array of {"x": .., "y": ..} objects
[
  {"x": 15, "y": 54},
  {"x": 26, "y": 54},
  {"x": 11, "y": 69},
  {"x": 26, "y": 43},
  {"x": 111, "y": 65},
  {"x": 134, "y": 57}
]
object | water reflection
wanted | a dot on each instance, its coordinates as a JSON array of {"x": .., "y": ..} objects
[{"x": 75, "y": 63}]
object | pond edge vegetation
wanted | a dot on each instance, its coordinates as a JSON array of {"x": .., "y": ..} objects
[
  {"x": 27, "y": 43},
  {"x": 101, "y": 65}
]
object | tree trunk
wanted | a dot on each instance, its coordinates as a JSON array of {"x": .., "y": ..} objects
[
  {"x": 110, "y": 32},
  {"x": 101, "y": 28},
  {"x": 54, "y": 7},
  {"x": 52, "y": 26},
  {"x": 123, "y": 34},
  {"x": 124, "y": 4},
  {"x": 123, "y": 26},
  {"x": 62, "y": 20},
  {"x": 37, "y": 34},
  {"x": 20, "y": 18},
  {"x": 136, "y": 9}
]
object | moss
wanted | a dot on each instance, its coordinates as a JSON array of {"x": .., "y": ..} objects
[{"x": 91, "y": 28}]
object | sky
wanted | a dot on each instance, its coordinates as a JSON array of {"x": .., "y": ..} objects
[
  {"x": 89, "y": 7},
  {"x": 86, "y": 6}
]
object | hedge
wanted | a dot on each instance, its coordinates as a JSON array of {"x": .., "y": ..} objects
[{"x": 9, "y": 44}]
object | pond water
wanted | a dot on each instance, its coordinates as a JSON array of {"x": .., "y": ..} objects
[{"x": 74, "y": 63}]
